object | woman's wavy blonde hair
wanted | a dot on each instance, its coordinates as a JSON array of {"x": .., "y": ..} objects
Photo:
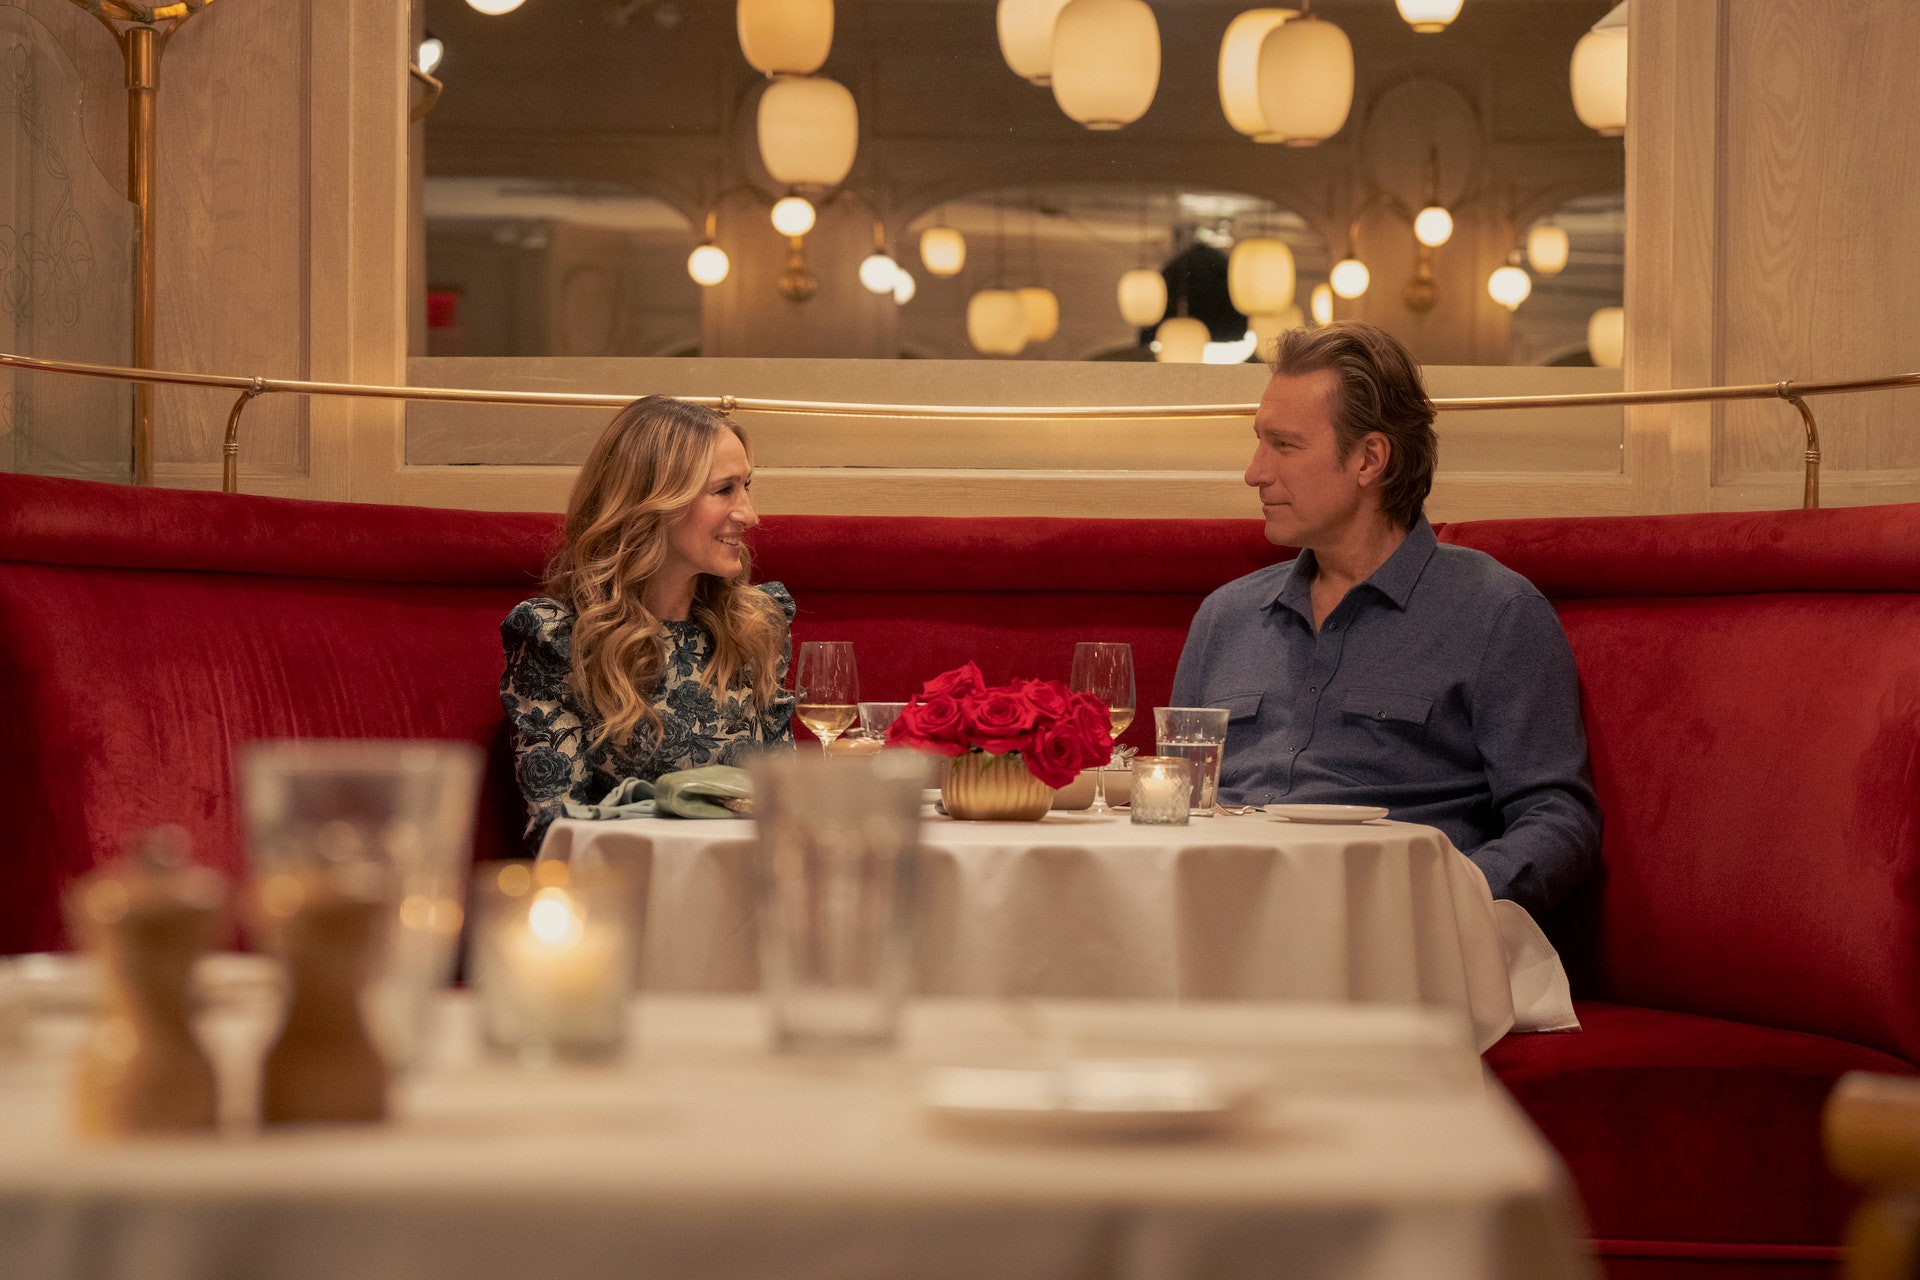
[{"x": 640, "y": 477}]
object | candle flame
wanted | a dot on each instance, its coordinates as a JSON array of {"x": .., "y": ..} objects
[{"x": 552, "y": 918}]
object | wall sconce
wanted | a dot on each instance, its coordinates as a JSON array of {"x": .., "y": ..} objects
[
  {"x": 1429, "y": 16},
  {"x": 793, "y": 216},
  {"x": 1350, "y": 277},
  {"x": 708, "y": 264},
  {"x": 878, "y": 271},
  {"x": 1509, "y": 285},
  {"x": 494, "y": 8},
  {"x": 797, "y": 283},
  {"x": 903, "y": 288}
]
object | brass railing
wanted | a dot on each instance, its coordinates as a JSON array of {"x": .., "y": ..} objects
[{"x": 1794, "y": 393}]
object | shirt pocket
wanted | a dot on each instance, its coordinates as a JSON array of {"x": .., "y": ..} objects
[
  {"x": 1239, "y": 706},
  {"x": 1389, "y": 710}
]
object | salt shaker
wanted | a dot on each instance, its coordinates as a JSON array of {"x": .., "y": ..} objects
[
  {"x": 328, "y": 926},
  {"x": 146, "y": 917}
]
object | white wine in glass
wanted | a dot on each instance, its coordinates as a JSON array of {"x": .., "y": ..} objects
[
  {"x": 828, "y": 688},
  {"x": 1105, "y": 670}
]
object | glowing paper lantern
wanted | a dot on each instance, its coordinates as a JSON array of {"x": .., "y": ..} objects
[
  {"x": 1598, "y": 76},
  {"x": 1271, "y": 325},
  {"x": 708, "y": 264},
  {"x": 1350, "y": 277},
  {"x": 878, "y": 273},
  {"x": 903, "y": 288},
  {"x": 1026, "y": 36},
  {"x": 1182, "y": 339},
  {"x": 1321, "y": 304},
  {"x": 1260, "y": 276},
  {"x": 792, "y": 216},
  {"x": 1607, "y": 337},
  {"x": 1306, "y": 80},
  {"x": 1043, "y": 312},
  {"x": 996, "y": 322},
  {"x": 1240, "y": 70},
  {"x": 808, "y": 129},
  {"x": 494, "y": 8},
  {"x": 785, "y": 37},
  {"x": 1106, "y": 61},
  {"x": 1428, "y": 16},
  {"x": 1547, "y": 249},
  {"x": 1509, "y": 286},
  {"x": 1143, "y": 297},
  {"x": 943, "y": 250},
  {"x": 1433, "y": 226}
]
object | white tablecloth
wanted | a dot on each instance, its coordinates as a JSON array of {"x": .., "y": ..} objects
[
  {"x": 1247, "y": 907},
  {"x": 1382, "y": 1154}
]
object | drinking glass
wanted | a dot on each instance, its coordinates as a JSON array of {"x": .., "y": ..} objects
[
  {"x": 878, "y": 717},
  {"x": 828, "y": 688},
  {"x": 1198, "y": 734},
  {"x": 1105, "y": 670},
  {"x": 345, "y": 813},
  {"x": 838, "y": 844}
]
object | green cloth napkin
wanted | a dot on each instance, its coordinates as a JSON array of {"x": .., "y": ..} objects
[{"x": 711, "y": 791}]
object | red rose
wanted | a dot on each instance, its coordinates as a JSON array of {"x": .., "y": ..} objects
[
  {"x": 1048, "y": 698},
  {"x": 934, "y": 726},
  {"x": 1056, "y": 756},
  {"x": 957, "y": 683},
  {"x": 1092, "y": 723},
  {"x": 999, "y": 720}
]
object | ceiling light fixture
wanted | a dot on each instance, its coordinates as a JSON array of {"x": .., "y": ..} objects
[
  {"x": 1106, "y": 61},
  {"x": 1429, "y": 16}
]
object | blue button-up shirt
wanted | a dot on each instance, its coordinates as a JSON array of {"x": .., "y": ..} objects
[{"x": 1442, "y": 687}]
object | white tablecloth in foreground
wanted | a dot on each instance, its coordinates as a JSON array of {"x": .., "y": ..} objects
[
  {"x": 705, "y": 1159},
  {"x": 1245, "y": 907}
]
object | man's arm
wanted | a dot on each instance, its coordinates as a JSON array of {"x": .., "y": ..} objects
[{"x": 1526, "y": 721}]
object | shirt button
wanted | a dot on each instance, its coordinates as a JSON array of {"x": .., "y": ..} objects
[
  {"x": 1313, "y": 688},
  {"x": 1383, "y": 715},
  {"x": 1293, "y": 751}
]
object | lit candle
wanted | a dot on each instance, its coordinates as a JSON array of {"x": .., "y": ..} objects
[
  {"x": 554, "y": 965},
  {"x": 1162, "y": 790}
]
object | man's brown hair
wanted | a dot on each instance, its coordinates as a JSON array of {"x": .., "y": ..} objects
[{"x": 1377, "y": 387}]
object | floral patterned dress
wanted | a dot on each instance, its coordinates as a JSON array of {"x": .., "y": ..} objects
[{"x": 553, "y": 725}]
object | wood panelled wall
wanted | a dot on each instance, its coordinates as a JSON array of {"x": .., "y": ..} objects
[{"x": 1773, "y": 178}]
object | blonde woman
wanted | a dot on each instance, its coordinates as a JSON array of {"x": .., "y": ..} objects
[{"x": 651, "y": 650}]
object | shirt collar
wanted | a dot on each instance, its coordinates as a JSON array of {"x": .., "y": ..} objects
[{"x": 1395, "y": 579}]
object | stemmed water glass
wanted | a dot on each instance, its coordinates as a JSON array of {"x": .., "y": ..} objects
[
  {"x": 828, "y": 685},
  {"x": 1105, "y": 670}
]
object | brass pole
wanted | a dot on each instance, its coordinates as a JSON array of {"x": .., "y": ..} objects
[
  {"x": 1810, "y": 491},
  {"x": 230, "y": 451},
  {"x": 141, "y": 47}
]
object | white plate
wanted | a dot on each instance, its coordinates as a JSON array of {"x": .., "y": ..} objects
[
  {"x": 1331, "y": 813},
  {"x": 70, "y": 982},
  {"x": 1092, "y": 1098}
]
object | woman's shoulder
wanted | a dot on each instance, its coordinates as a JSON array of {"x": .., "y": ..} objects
[
  {"x": 539, "y": 620},
  {"x": 778, "y": 593}
]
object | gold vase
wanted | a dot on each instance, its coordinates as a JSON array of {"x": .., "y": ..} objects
[{"x": 987, "y": 788}]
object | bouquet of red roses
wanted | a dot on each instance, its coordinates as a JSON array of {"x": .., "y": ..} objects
[{"x": 1056, "y": 733}]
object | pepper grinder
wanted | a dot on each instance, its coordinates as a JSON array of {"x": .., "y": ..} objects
[
  {"x": 146, "y": 917},
  {"x": 328, "y": 927}
]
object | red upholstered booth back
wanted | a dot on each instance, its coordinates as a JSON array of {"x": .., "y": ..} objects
[{"x": 1752, "y": 685}]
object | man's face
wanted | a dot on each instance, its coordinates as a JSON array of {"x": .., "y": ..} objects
[{"x": 1309, "y": 496}]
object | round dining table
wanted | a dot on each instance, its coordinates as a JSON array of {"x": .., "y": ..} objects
[{"x": 1078, "y": 905}]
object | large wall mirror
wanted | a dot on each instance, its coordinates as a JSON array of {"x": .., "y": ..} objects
[{"x": 589, "y": 159}]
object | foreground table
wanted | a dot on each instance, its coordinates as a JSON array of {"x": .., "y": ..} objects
[
  {"x": 1383, "y": 1154},
  {"x": 1244, "y": 907}
]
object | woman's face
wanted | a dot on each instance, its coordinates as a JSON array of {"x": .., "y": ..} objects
[{"x": 706, "y": 537}]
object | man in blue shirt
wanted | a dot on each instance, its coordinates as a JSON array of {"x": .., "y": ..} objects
[{"x": 1380, "y": 667}]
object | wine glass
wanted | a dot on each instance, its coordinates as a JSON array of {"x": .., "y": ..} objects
[
  {"x": 828, "y": 686},
  {"x": 1105, "y": 670}
]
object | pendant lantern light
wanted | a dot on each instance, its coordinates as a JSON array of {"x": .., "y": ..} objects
[
  {"x": 943, "y": 250},
  {"x": 1042, "y": 310},
  {"x": 1547, "y": 249},
  {"x": 809, "y": 129},
  {"x": 1428, "y": 16},
  {"x": 1143, "y": 297},
  {"x": 1320, "y": 302},
  {"x": 1607, "y": 337},
  {"x": 1106, "y": 61},
  {"x": 785, "y": 37},
  {"x": 1598, "y": 75},
  {"x": 1026, "y": 36},
  {"x": 1182, "y": 339},
  {"x": 1271, "y": 325},
  {"x": 1240, "y": 70},
  {"x": 1306, "y": 80},
  {"x": 1509, "y": 286},
  {"x": 494, "y": 8},
  {"x": 1260, "y": 276},
  {"x": 793, "y": 216},
  {"x": 1350, "y": 277},
  {"x": 996, "y": 322}
]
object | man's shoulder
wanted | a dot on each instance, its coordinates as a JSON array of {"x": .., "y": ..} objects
[
  {"x": 1463, "y": 573},
  {"x": 1249, "y": 591}
]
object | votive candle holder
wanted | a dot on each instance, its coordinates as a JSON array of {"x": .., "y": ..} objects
[{"x": 1162, "y": 791}]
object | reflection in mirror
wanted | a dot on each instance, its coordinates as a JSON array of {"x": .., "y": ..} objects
[{"x": 1577, "y": 257}]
